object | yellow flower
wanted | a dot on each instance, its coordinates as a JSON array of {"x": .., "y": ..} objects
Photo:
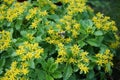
[
  {"x": 38, "y": 52},
  {"x": 61, "y": 46},
  {"x": 23, "y": 78},
  {"x": 76, "y": 26},
  {"x": 51, "y": 31},
  {"x": 104, "y": 23},
  {"x": 67, "y": 17},
  {"x": 62, "y": 52},
  {"x": 75, "y": 50},
  {"x": 24, "y": 64},
  {"x": 35, "y": 23},
  {"x": 74, "y": 33},
  {"x": 32, "y": 13},
  {"x": 100, "y": 62},
  {"x": 59, "y": 60},
  {"x": 24, "y": 71},
  {"x": 99, "y": 15},
  {"x": 29, "y": 55},
  {"x": 72, "y": 60},
  {"x": 44, "y": 13},
  {"x": 83, "y": 54},
  {"x": 68, "y": 40},
  {"x": 11, "y": 74},
  {"x": 30, "y": 36},
  {"x": 104, "y": 58},
  {"x": 29, "y": 51},
  {"x": 83, "y": 68},
  {"x": 114, "y": 28},
  {"x": 5, "y": 40},
  {"x": 16, "y": 11}
]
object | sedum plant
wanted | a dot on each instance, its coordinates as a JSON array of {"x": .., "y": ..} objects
[{"x": 55, "y": 40}]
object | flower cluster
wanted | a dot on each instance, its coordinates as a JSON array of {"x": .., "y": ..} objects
[
  {"x": 8, "y": 1},
  {"x": 5, "y": 40},
  {"x": 76, "y": 6},
  {"x": 73, "y": 55},
  {"x": 2, "y": 11},
  {"x": 104, "y": 59},
  {"x": 20, "y": 69},
  {"x": 115, "y": 44},
  {"x": 16, "y": 71},
  {"x": 16, "y": 11},
  {"x": 29, "y": 51},
  {"x": 102, "y": 23}
]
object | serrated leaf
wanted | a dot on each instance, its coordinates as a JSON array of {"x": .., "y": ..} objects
[
  {"x": 67, "y": 72},
  {"x": 2, "y": 62},
  {"x": 50, "y": 61},
  {"x": 98, "y": 33},
  {"x": 108, "y": 67},
  {"x": 54, "y": 17},
  {"x": 48, "y": 77},
  {"x": 93, "y": 42},
  {"x": 38, "y": 39},
  {"x": 57, "y": 74},
  {"x": 53, "y": 67},
  {"x": 73, "y": 77},
  {"x": 93, "y": 58},
  {"x": 32, "y": 64},
  {"x": 23, "y": 33},
  {"x": 109, "y": 37},
  {"x": 1, "y": 70},
  {"x": 44, "y": 65},
  {"x": 81, "y": 43},
  {"x": 18, "y": 24},
  {"x": 90, "y": 75},
  {"x": 41, "y": 74}
]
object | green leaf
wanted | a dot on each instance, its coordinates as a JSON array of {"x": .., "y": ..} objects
[
  {"x": 91, "y": 75},
  {"x": 2, "y": 62},
  {"x": 81, "y": 43},
  {"x": 75, "y": 68},
  {"x": 54, "y": 17},
  {"x": 109, "y": 37},
  {"x": 93, "y": 58},
  {"x": 98, "y": 33},
  {"x": 50, "y": 61},
  {"x": 48, "y": 77},
  {"x": 23, "y": 33},
  {"x": 1, "y": 70},
  {"x": 93, "y": 42},
  {"x": 41, "y": 74},
  {"x": 46, "y": 7},
  {"x": 86, "y": 23},
  {"x": 53, "y": 67},
  {"x": 18, "y": 24},
  {"x": 38, "y": 39},
  {"x": 44, "y": 65},
  {"x": 57, "y": 74},
  {"x": 67, "y": 72},
  {"x": 72, "y": 77},
  {"x": 32, "y": 64},
  {"x": 108, "y": 67}
]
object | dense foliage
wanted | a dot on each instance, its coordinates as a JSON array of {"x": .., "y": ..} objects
[{"x": 55, "y": 40}]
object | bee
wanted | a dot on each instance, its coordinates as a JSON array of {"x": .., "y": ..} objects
[{"x": 62, "y": 34}]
